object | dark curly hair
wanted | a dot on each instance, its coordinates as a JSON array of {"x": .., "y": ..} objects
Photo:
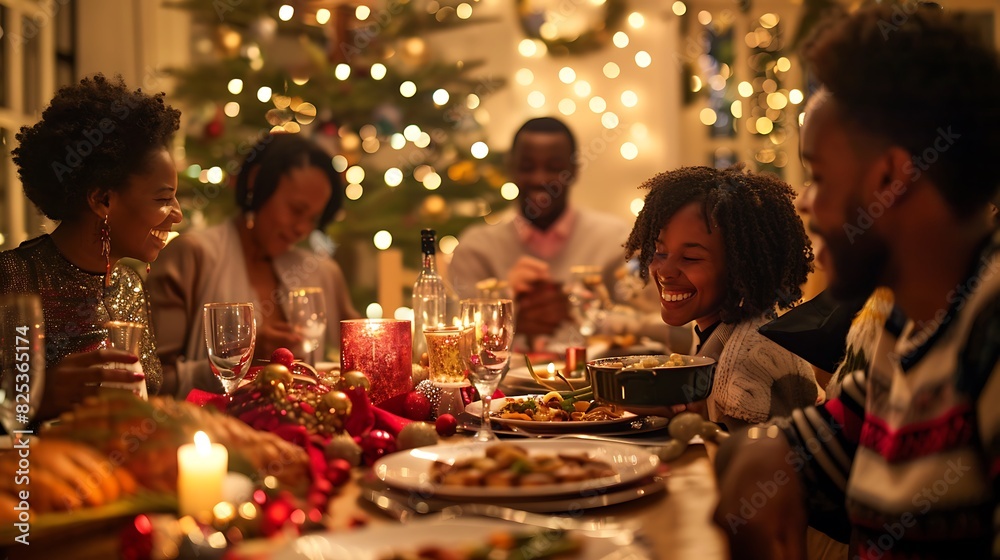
[
  {"x": 922, "y": 79},
  {"x": 768, "y": 254},
  {"x": 93, "y": 135},
  {"x": 273, "y": 157}
]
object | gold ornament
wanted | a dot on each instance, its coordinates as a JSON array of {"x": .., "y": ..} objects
[
  {"x": 337, "y": 403},
  {"x": 274, "y": 376},
  {"x": 354, "y": 379}
]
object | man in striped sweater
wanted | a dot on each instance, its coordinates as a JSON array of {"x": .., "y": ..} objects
[{"x": 904, "y": 459}]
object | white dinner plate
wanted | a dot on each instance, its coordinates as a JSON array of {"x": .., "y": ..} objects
[
  {"x": 382, "y": 541},
  {"x": 569, "y": 426},
  {"x": 411, "y": 470}
]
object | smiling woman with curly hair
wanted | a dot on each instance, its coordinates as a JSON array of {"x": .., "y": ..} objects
[
  {"x": 727, "y": 250},
  {"x": 98, "y": 163}
]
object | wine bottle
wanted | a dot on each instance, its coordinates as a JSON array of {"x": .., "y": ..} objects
[{"x": 434, "y": 302}]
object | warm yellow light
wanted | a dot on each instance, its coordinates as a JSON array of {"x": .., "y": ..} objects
[
  {"x": 643, "y": 59},
  {"x": 524, "y": 77},
  {"x": 582, "y": 88},
  {"x": 598, "y": 104},
  {"x": 264, "y": 94},
  {"x": 382, "y": 239},
  {"x": 745, "y": 89},
  {"x": 736, "y": 109},
  {"x": 407, "y": 89},
  {"x": 378, "y": 71},
  {"x": 527, "y": 47},
  {"x": 397, "y": 141},
  {"x": 432, "y": 181},
  {"x": 231, "y": 109},
  {"x": 509, "y": 191},
  {"x": 629, "y": 151},
  {"x": 393, "y": 177},
  {"x": 567, "y": 106},
  {"x": 322, "y": 16},
  {"x": 440, "y": 97},
  {"x": 354, "y": 174},
  {"x": 448, "y": 244},
  {"x": 609, "y": 120},
  {"x": 286, "y": 12},
  {"x": 620, "y": 39},
  {"x": 696, "y": 84},
  {"x": 636, "y": 20},
  {"x": 235, "y": 86},
  {"x": 463, "y": 11},
  {"x": 783, "y": 64},
  {"x": 374, "y": 310},
  {"x": 764, "y": 125},
  {"x": 342, "y": 71},
  {"x": 215, "y": 175},
  {"x": 536, "y": 99},
  {"x": 472, "y": 101},
  {"x": 795, "y": 96},
  {"x": 636, "y": 206},
  {"x": 362, "y": 13},
  {"x": 629, "y": 98},
  {"x": 339, "y": 163},
  {"x": 679, "y": 8},
  {"x": 777, "y": 100},
  {"x": 707, "y": 116},
  {"x": 411, "y": 132},
  {"x": 704, "y": 17},
  {"x": 768, "y": 20},
  {"x": 639, "y": 131},
  {"x": 567, "y": 75},
  {"x": 353, "y": 191},
  {"x": 423, "y": 140},
  {"x": 611, "y": 70},
  {"x": 479, "y": 150}
]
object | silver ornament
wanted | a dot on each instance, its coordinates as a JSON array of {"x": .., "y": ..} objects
[{"x": 433, "y": 394}]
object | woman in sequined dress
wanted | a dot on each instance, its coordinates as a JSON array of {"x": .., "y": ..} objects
[{"x": 97, "y": 164}]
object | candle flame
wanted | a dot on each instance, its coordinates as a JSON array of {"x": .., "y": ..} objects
[
  {"x": 202, "y": 444},
  {"x": 552, "y": 369}
]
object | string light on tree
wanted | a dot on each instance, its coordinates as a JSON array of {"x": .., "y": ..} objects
[
  {"x": 382, "y": 240},
  {"x": 393, "y": 177},
  {"x": 567, "y": 106},
  {"x": 620, "y": 39},
  {"x": 509, "y": 191},
  {"x": 611, "y": 70},
  {"x": 235, "y": 86},
  {"x": 629, "y": 151},
  {"x": 567, "y": 75}
]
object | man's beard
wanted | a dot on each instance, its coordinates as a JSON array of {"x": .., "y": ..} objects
[{"x": 858, "y": 267}]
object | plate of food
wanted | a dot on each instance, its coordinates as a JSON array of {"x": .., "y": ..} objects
[
  {"x": 527, "y": 469},
  {"x": 461, "y": 538},
  {"x": 552, "y": 412}
]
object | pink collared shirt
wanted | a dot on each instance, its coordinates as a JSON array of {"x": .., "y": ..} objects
[{"x": 548, "y": 243}]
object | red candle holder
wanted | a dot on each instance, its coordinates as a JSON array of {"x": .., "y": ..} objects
[{"x": 382, "y": 350}]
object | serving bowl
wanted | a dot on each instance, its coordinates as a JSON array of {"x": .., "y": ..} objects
[{"x": 646, "y": 385}]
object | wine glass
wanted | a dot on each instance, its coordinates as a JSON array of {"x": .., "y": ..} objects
[
  {"x": 486, "y": 350},
  {"x": 307, "y": 314},
  {"x": 22, "y": 362},
  {"x": 588, "y": 298},
  {"x": 230, "y": 333}
]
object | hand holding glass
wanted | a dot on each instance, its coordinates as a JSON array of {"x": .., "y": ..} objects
[
  {"x": 22, "y": 360},
  {"x": 486, "y": 353},
  {"x": 230, "y": 333},
  {"x": 307, "y": 314}
]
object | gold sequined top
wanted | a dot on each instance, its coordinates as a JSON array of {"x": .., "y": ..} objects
[{"x": 76, "y": 304}]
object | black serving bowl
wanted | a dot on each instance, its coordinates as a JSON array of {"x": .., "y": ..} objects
[{"x": 623, "y": 381}]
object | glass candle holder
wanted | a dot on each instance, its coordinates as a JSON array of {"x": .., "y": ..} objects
[
  {"x": 382, "y": 350},
  {"x": 444, "y": 359}
]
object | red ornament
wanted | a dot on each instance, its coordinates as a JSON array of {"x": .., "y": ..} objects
[
  {"x": 283, "y": 356},
  {"x": 277, "y": 512},
  {"x": 338, "y": 471},
  {"x": 446, "y": 425},
  {"x": 213, "y": 129},
  {"x": 416, "y": 406},
  {"x": 376, "y": 444},
  {"x": 137, "y": 539}
]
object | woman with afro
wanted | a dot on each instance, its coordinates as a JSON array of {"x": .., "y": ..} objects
[
  {"x": 726, "y": 250},
  {"x": 97, "y": 163}
]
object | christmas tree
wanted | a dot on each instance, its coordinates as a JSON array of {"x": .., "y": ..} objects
[{"x": 359, "y": 79}]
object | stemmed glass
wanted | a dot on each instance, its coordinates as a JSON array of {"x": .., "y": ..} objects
[
  {"x": 307, "y": 314},
  {"x": 486, "y": 351},
  {"x": 588, "y": 298},
  {"x": 22, "y": 361},
  {"x": 230, "y": 333}
]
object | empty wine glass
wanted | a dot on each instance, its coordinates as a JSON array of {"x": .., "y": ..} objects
[
  {"x": 486, "y": 351},
  {"x": 230, "y": 333},
  {"x": 307, "y": 314},
  {"x": 588, "y": 298},
  {"x": 22, "y": 362}
]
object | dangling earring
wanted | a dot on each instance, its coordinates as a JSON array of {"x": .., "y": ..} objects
[
  {"x": 147, "y": 268},
  {"x": 249, "y": 216},
  {"x": 105, "y": 233}
]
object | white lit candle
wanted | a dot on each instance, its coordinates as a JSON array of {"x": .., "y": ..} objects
[{"x": 201, "y": 468}]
